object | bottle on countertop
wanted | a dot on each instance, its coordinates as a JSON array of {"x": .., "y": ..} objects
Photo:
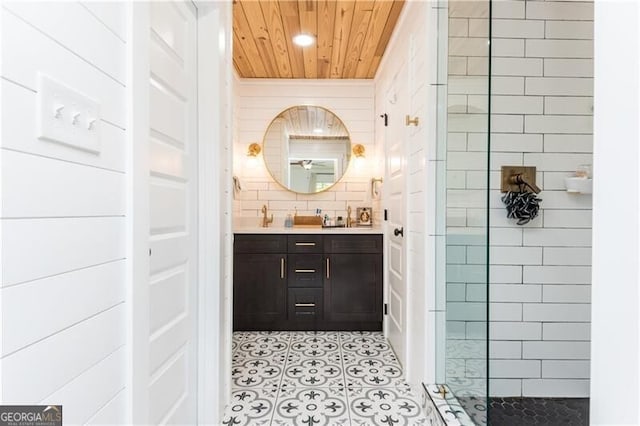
[{"x": 288, "y": 221}]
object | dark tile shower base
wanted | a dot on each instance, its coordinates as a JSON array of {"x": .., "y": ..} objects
[{"x": 528, "y": 411}]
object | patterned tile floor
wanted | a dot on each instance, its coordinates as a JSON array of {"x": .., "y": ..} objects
[{"x": 319, "y": 378}]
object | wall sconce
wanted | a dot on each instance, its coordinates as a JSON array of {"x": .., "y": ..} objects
[
  {"x": 358, "y": 150},
  {"x": 254, "y": 150},
  {"x": 252, "y": 155}
]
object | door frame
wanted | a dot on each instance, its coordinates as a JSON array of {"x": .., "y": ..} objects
[{"x": 214, "y": 21}]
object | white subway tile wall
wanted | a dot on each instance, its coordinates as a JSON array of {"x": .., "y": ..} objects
[
  {"x": 540, "y": 274},
  {"x": 258, "y": 102}
]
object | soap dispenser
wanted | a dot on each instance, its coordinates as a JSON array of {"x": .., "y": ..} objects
[{"x": 288, "y": 221}]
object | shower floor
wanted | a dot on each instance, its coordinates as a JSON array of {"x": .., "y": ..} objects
[{"x": 528, "y": 411}]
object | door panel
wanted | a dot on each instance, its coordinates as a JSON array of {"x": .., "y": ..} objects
[
  {"x": 172, "y": 208},
  {"x": 395, "y": 136}
]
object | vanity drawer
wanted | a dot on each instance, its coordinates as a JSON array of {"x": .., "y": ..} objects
[
  {"x": 251, "y": 243},
  {"x": 309, "y": 243},
  {"x": 353, "y": 244},
  {"x": 305, "y": 304},
  {"x": 305, "y": 270}
]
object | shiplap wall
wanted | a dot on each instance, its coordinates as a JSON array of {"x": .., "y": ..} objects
[
  {"x": 259, "y": 101},
  {"x": 541, "y": 104},
  {"x": 63, "y": 216}
]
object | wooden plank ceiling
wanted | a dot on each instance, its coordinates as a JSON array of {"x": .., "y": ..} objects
[
  {"x": 310, "y": 122},
  {"x": 351, "y": 37}
]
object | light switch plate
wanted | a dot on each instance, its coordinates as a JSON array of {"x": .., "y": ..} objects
[{"x": 67, "y": 116}]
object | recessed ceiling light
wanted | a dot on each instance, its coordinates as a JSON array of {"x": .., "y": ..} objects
[
  {"x": 317, "y": 130},
  {"x": 303, "y": 40}
]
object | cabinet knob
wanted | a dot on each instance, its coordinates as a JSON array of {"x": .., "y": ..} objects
[{"x": 398, "y": 231}]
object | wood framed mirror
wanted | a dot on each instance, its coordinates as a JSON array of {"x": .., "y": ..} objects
[{"x": 307, "y": 149}]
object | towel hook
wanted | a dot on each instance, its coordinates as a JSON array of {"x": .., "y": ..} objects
[{"x": 518, "y": 179}]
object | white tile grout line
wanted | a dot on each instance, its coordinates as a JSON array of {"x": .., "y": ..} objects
[
  {"x": 279, "y": 389},
  {"x": 344, "y": 377}
]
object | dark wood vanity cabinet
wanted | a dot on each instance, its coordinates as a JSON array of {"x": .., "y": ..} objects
[
  {"x": 259, "y": 282},
  {"x": 312, "y": 282}
]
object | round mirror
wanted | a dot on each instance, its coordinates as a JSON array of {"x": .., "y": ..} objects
[{"x": 306, "y": 149}]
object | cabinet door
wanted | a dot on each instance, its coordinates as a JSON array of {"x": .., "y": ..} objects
[
  {"x": 353, "y": 287},
  {"x": 259, "y": 291}
]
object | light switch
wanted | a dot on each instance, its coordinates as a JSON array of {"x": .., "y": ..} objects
[{"x": 67, "y": 116}]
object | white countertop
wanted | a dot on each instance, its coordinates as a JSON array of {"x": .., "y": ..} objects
[{"x": 283, "y": 230}]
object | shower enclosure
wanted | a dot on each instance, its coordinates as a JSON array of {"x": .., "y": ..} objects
[
  {"x": 518, "y": 92},
  {"x": 463, "y": 255}
]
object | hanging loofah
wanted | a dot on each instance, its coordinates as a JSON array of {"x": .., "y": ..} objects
[{"x": 523, "y": 206}]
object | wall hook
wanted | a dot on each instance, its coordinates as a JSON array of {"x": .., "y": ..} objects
[
  {"x": 412, "y": 121},
  {"x": 375, "y": 189},
  {"x": 517, "y": 178}
]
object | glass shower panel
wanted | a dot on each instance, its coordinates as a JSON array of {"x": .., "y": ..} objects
[{"x": 463, "y": 256}]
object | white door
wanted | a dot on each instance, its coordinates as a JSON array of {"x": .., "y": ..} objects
[
  {"x": 173, "y": 206},
  {"x": 395, "y": 178}
]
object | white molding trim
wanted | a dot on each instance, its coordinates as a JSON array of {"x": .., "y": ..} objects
[
  {"x": 214, "y": 302},
  {"x": 138, "y": 212}
]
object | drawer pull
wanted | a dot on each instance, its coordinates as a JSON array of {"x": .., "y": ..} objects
[
  {"x": 328, "y": 273},
  {"x": 282, "y": 267},
  {"x": 305, "y": 305},
  {"x": 305, "y": 271},
  {"x": 306, "y": 244}
]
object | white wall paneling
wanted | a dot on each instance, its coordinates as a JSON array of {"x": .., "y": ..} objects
[
  {"x": 27, "y": 51},
  {"x": 39, "y": 370},
  {"x": 79, "y": 406},
  {"x": 114, "y": 412},
  {"x": 62, "y": 299},
  {"x": 110, "y": 15},
  {"x": 46, "y": 16},
  {"x": 41, "y": 187},
  {"x": 60, "y": 245},
  {"x": 99, "y": 287}
]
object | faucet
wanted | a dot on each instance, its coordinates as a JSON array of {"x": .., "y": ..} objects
[
  {"x": 348, "y": 216},
  {"x": 265, "y": 220}
]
